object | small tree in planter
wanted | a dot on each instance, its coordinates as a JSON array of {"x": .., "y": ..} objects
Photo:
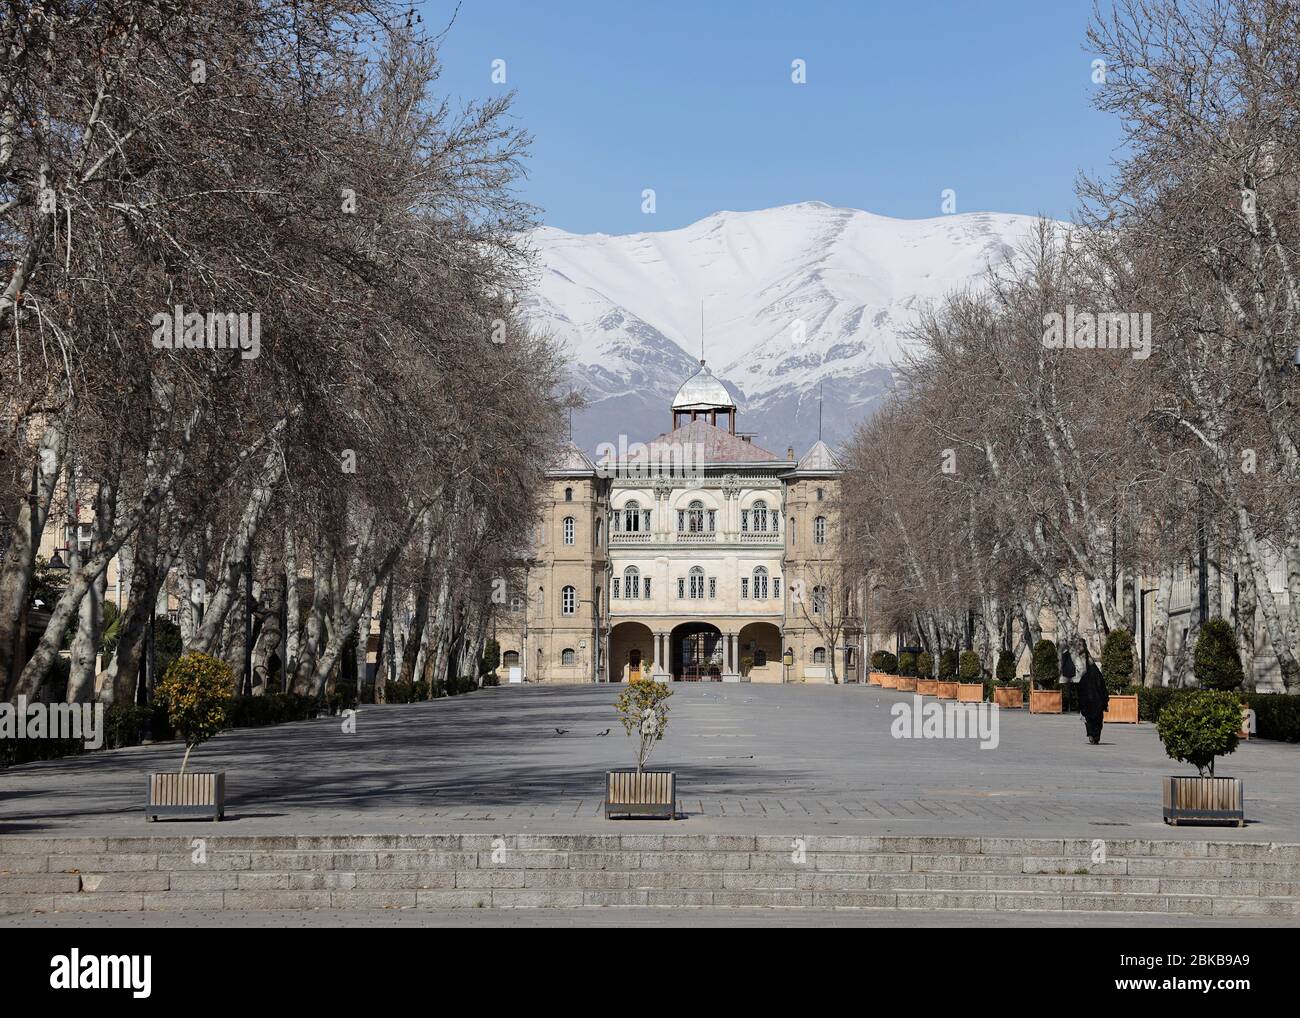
[
  {"x": 907, "y": 664},
  {"x": 889, "y": 663},
  {"x": 1045, "y": 671},
  {"x": 948, "y": 666},
  {"x": 1195, "y": 728},
  {"x": 1217, "y": 663},
  {"x": 1006, "y": 668},
  {"x": 970, "y": 688},
  {"x": 924, "y": 670},
  {"x": 643, "y": 712},
  {"x": 1009, "y": 692},
  {"x": 195, "y": 692}
]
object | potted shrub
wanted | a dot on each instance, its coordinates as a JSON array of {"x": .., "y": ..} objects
[
  {"x": 906, "y": 670},
  {"x": 907, "y": 683},
  {"x": 882, "y": 663},
  {"x": 1195, "y": 728},
  {"x": 946, "y": 685},
  {"x": 637, "y": 791},
  {"x": 195, "y": 693},
  {"x": 970, "y": 685},
  {"x": 1217, "y": 664},
  {"x": 1007, "y": 693},
  {"x": 1117, "y": 669},
  {"x": 1045, "y": 671},
  {"x": 926, "y": 683}
]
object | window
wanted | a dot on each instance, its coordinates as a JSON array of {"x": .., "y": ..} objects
[
  {"x": 760, "y": 584},
  {"x": 510, "y": 659},
  {"x": 819, "y": 655},
  {"x": 819, "y": 494},
  {"x": 713, "y": 587},
  {"x": 632, "y": 582},
  {"x": 793, "y": 532},
  {"x": 568, "y": 494},
  {"x": 776, "y": 587},
  {"x": 598, "y": 529},
  {"x": 819, "y": 600},
  {"x": 599, "y": 591},
  {"x": 848, "y": 657},
  {"x": 697, "y": 583},
  {"x": 567, "y": 656},
  {"x": 744, "y": 521},
  {"x": 647, "y": 588},
  {"x": 744, "y": 587},
  {"x": 713, "y": 520},
  {"x": 568, "y": 601},
  {"x": 819, "y": 530},
  {"x": 613, "y": 590},
  {"x": 568, "y": 529},
  {"x": 516, "y": 603},
  {"x": 694, "y": 517},
  {"x": 632, "y": 518},
  {"x": 760, "y": 517},
  {"x": 760, "y": 658},
  {"x": 681, "y": 586}
]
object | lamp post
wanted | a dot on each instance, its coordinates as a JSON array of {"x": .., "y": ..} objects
[{"x": 787, "y": 662}]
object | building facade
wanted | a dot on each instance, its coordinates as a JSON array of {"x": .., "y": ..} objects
[{"x": 698, "y": 556}]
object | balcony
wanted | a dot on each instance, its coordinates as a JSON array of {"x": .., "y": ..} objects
[
  {"x": 761, "y": 537},
  {"x": 633, "y": 537},
  {"x": 697, "y": 536}
]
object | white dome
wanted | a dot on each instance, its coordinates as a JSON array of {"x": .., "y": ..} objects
[{"x": 703, "y": 391}]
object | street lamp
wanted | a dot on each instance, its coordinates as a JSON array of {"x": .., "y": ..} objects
[{"x": 56, "y": 560}]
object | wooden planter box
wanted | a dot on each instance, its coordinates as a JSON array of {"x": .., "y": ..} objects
[
  {"x": 873, "y": 678},
  {"x": 906, "y": 684},
  {"x": 192, "y": 794},
  {"x": 1123, "y": 710},
  {"x": 946, "y": 690},
  {"x": 970, "y": 692},
  {"x": 927, "y": 687},
  {"x": 648, "y": 794},
  {"x": 1011, "y": 697},
  {"x": 1204, "y": 801},
  {"x": 1044, "y": 701},
  {"x": 889, "y": 681}
]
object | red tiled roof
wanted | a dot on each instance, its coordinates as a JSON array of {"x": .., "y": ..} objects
[{"x": 717, "y": 445}]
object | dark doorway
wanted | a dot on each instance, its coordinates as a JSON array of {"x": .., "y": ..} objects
[{"x": 697, "y": 653}]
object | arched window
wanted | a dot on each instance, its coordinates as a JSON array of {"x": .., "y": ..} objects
[
  {"x": 819, "y": 530},
  {"x": 695, "y": 517},
  {"x": 568, "y": 601},
  {"x": 569, "y": 528},
  {"x": 568, "y": 494},
  {"x": 516, "y": 603},
  {"x": 510, "y": 659},
  {"x": 632, "y": 582},
  {"x": 818, "y": 600},
  {"x": 567, "y": 656},
  {"x": 819, "y": 655},
  {"x": 632, "y": 518},
  {"x": 760, "y": 584},
  {"x": 697, "y": 582},
  {"x": 759, "y": 513},
  {"x": 792, "y": 530}
]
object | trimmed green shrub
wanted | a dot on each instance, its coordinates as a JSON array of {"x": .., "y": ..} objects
[
  {"x": 925, "y": 664},
  {"x": 948, "y": 666},
  {"x": 196, "y": 689},
  {"x": 1006, "y": 669},
  {"x": 491, "y": 658},
  {"x": 1199, "y": 726},
  {"x": 889, "y": 664},
  {"x": 907, "y": 663},
  {"x": 878, "y": 661},
  {"x": 1217, "y": 664},
  {"x": 969, "y": 667},
  {"x": 1117, "y": 660},
  {"x": 1046, "y": 665}
]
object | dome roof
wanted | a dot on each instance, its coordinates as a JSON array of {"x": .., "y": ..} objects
[{"x": 703, "y": 391}]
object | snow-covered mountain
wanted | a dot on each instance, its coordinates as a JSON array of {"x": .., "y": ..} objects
[{"x": 795, "y": 299}]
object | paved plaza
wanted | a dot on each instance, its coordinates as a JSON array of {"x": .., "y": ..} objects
[{"x": 749, "y": 758}]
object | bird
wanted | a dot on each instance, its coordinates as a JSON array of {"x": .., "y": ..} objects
[
  {"x": 561, "y": 731},
  {"x": 605, "y": 732}
]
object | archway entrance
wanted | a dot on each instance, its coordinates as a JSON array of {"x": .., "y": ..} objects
[
  {"x": 697, "y": 653},
  {"x": 631, "y": 649}
]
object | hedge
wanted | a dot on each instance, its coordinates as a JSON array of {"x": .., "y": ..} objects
[{"x": 1277, "y": 715}]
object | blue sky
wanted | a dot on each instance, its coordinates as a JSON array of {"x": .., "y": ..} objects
[{"x": 903, "y": 99}]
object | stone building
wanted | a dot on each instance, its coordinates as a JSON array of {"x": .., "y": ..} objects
[{"x": 696, "y": 556}]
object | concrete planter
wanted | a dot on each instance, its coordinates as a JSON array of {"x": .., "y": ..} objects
[
  {"x": 946, "y": 690},
  {"x": 927, "y": 687},
  {"x": 970, "y": 692},
  {"x": 194, "y": 794},
  {"x": 906, "y": 684},
  {"x": 647, "y": 794},
  {"x": 1123, "y": 710},
  {"x": 1044, "y": 701},
  {"x": 1204, "y": 800},
  {"x": 1010, "y": 697}
]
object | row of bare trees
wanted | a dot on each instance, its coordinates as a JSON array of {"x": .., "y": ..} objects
[
  {"x": 260, "y": 322},
  {"x": 1049, "y": 449}
]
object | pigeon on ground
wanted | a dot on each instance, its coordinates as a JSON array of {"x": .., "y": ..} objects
[
  {"x": 561, "y": 731},
  {"x": 605, "y": 732}
]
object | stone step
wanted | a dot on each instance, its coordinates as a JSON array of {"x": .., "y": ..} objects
[{"x": 559, "y": 871}]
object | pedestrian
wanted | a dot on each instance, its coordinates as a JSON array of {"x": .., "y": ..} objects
[{"x": 1093, "y": 698}]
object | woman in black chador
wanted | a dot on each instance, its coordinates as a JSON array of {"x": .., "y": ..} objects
[{"x": 1093, "y": 698}]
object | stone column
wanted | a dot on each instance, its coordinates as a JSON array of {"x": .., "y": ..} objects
[
  {"x": 662, "y": 665},
  {"x": 731, "y": 666}
]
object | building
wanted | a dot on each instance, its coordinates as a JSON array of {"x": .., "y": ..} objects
[{"x": 696, "y": 556}]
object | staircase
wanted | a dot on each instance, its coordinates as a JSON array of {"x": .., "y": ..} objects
[{"x": 452, "y": 871}]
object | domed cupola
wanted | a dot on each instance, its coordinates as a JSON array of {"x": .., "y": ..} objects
[{"x": 703, "y": 396}]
